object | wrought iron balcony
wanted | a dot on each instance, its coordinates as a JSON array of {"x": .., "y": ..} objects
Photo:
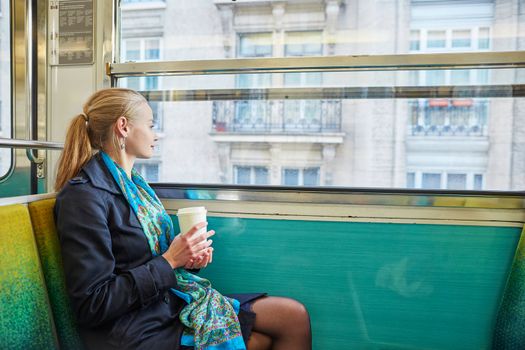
[
  {"x": 448, "y": 117},
  {"x": 277, "y": 116}
]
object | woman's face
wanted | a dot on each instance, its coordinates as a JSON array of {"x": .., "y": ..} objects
[{"x": 141, "y": 137}]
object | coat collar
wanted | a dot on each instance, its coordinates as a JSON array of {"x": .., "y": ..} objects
[{"x": 100, "y": 176}]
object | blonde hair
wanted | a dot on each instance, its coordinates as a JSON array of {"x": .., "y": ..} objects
[{"x": 91, "y": 130}]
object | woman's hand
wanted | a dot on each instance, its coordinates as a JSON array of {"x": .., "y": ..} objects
[
  {"x": 201, "y": 261},
  {"x": 188, "y": 246}
]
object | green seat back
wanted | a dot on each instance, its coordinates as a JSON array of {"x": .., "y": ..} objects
[
  {"x": 25, "y": 316},
  {"x": 49, "y": 249},
  {"x": 509, "y": 332}
]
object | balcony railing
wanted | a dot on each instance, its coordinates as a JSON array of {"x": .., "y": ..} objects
[
  {"x": 448, "y": 117},
  {"x": 277, "y": 116}
]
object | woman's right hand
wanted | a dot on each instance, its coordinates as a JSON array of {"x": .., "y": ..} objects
[{"x": 188, "y": 246}]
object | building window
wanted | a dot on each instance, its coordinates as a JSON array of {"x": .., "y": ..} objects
[
  {"x": 482, "y": 76},
  {"x": 255, "y": 45},
  {"x": 460, "y": 77},
  {"x": 311, "y": 177},
  {"x": 483, "y": 38},
  {"x": 453, "y": 180},
  {"x": 251, "y": 175},
  {"x": 461, "y": 38},
  {"x": 478, "y": 182},
  {"x": 291, "y": 177},
  {"x": 431, "y": 181},
  {"x": 144, "y": 49},
  {"x": 436, "y": 39},
  {"x": 149, "y": 171},
  {"x": 132, "y": 52},
  {"x": 141, "y": 49},
  {"x": 411, "y": 180},
  {"x": 301, "y": 177},
  {"x": 147, "y": 84},
  {"x": 456, "y": 181},
  {"x": 303, "y": 115},
  {"x": 415, "y": 40},
  {"x": 307, "y": 43},
  {"x": 446, "y": 40},
  {"x": 152, "y": 50},
  {"x": 436, "y": 77}
]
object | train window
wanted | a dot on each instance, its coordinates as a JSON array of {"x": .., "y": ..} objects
[
  {"x": 5, "y": 86},
  {"x": 422, "y": 129}
]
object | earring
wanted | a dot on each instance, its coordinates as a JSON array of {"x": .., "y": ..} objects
[{"x": 123, "y": 144}]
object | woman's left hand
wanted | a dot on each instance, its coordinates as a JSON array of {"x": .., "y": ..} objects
[{"x": 201, "y": 261}]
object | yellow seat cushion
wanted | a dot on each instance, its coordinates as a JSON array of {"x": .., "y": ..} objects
[
  {"x": 49, "y": 248},
  {"x": 25, "y": 316}
]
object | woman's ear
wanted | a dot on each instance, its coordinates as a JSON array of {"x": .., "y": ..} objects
[{"x": 122, "y": 127}]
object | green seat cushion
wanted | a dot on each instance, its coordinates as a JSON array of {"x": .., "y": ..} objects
[
  {"x": 49, "y": 248},
  {"x": 25, "y": 316}
]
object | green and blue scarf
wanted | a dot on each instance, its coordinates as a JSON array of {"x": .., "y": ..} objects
[{"x": 210, "y": 319}]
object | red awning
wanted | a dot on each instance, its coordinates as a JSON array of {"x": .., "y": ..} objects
[
  {"x": 462, "y": 103},
  {"x": 438, "y": 102}
]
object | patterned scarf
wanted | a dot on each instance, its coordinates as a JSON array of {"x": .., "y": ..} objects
[{"x": 210, "y": 319}]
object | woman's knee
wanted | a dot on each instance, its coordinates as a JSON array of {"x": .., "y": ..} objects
[
  {"x": 279, "y": 313},
  {"x": 296, "y": 311}
]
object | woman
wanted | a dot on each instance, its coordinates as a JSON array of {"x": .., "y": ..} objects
[{"x": 126, "y": 272}]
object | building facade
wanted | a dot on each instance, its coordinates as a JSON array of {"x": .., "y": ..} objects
[{"x": 452, "y": 143}]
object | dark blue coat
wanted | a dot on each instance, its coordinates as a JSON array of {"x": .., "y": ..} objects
[{"x": 118, "y": 291}]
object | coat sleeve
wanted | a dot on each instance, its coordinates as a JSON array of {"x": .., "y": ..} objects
[{"x": 98, "y": 294}]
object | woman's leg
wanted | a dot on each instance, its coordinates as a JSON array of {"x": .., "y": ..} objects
[
  {"x": 285, "y": 321},
  {"x": 259, "y": 341}
]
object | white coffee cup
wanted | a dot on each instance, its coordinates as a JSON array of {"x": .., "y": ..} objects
[{"x": 189, "y": 217}]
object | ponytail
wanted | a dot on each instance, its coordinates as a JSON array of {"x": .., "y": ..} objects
[
  {"x": 77, "y": 151},
  {"x": 92, "y": 129}
]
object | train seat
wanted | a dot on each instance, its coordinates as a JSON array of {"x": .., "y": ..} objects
[
  {"x": 49, "y": 249},
  {"x": 26, "y": 319}
]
